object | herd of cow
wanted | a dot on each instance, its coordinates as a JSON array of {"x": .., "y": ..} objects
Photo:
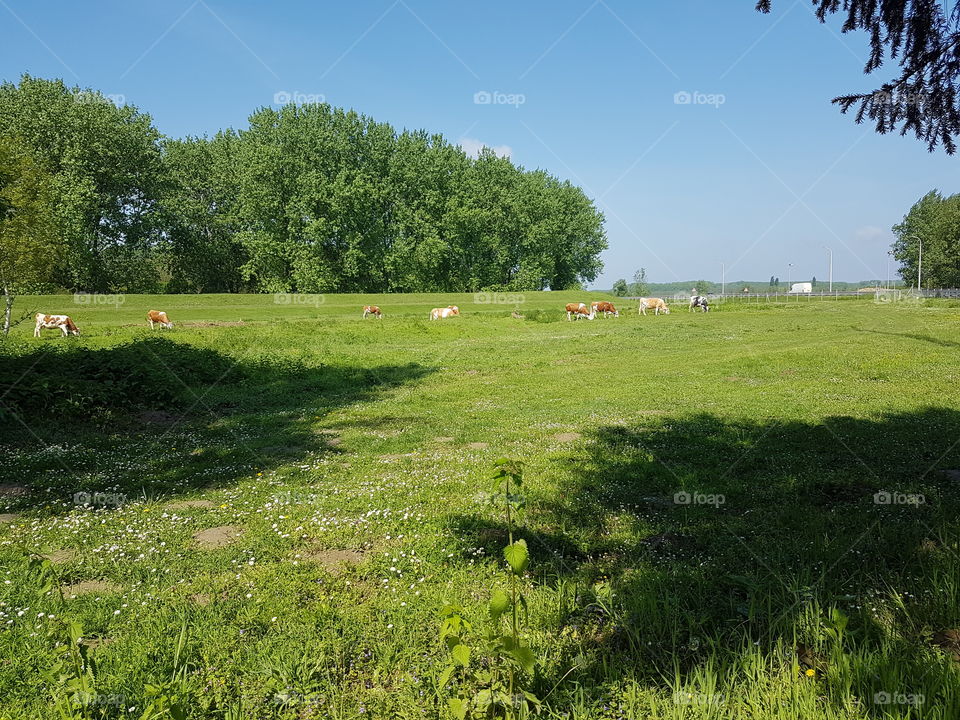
[{"x": 575, "y": 311}]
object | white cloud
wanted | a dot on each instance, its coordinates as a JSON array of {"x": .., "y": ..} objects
[
  {"x": 472, "y": 147},
  {"x": 871, "y": 232}
]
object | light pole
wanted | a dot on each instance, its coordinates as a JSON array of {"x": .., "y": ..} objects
[
  {"x": 831, "y": 266},
  {"x": 889, "y": 255},
  {"x": 789, "y": 275},
  {"x": 723, "y": 279}
]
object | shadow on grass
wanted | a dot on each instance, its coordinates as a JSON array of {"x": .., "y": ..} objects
[
  {"x": 154, "y": 416},
  {"x": 915, "y": 336},
  {"x": 700, "y": 543}
]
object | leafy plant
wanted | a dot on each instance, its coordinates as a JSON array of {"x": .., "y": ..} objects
[{"x": 503, "y": 675}]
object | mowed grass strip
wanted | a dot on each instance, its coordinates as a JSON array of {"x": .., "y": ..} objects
[{"x": 746, "y": 513}]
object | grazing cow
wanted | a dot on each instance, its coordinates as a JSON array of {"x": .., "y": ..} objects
[
  {"x": 576, "y": 311},
  {"x": 55, "y": 322},
  {"x": 441, "y": 313},
  {"x": 158, "y": 317},
  {"x": 655, "y": 304},
  {"x": 574, "y": 308},
  {"x": 606, "y": 308},
  {"x": 699, "y": 301},
  {"x": 372, "y": 310}
]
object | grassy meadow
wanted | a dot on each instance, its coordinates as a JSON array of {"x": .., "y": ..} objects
[{"x": 262, "y": 513}]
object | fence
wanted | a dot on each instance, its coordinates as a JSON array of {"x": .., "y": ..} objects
[{"x": 872, "y": 294}]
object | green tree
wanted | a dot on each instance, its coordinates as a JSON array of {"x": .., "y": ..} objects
[
  {"x": 620, "y": 288},
  {"x": 29, "y": 245},
  {"x": 198, "y": 208},
  {"x": 813, "y": 282},
  {"x": 105, "y": 165},
  {"x": 934, "y": 221},
  {"x": 640, "y": 286}
]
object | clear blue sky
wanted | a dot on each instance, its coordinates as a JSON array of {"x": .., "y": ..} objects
[{"x": 764, "y": 179}]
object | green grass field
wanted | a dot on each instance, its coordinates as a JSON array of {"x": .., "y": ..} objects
[{"x": 751, "y": 513}]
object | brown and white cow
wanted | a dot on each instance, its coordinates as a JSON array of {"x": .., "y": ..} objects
[
  {"x": 606, "y": 308},
  {"x": 55, "y": 322},
  {"x": 158, "y": 317},
  {"x": 372, "y": 310},
  {"x": 441, "y": 313},
  {"x": 655, "y": 304},
  {"x": 576, "y": 311}
]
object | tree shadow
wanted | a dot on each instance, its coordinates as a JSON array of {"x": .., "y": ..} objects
[
  {"x": 700, "y": 542},
  {"x": 156, "y": 417},
  {"x": 914, "y": 336}
]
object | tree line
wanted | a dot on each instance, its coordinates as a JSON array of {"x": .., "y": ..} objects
[
  {"x": 306, "y": 198},
  {"x": 930, "y": 228}
]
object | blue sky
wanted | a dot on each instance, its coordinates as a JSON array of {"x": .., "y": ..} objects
[{"x": 757, "y": 171}]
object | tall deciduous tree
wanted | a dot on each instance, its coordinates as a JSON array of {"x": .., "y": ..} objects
[
  {"x": 934, "y": 222},
  {"x": 105, "y": 165},
  {"x": 29, "y": 245}
]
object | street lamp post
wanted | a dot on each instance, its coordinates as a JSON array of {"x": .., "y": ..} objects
[
  {"x": 831, "y": 266},
  {"x": 789, "y": 276},
  {"x": 889, "y": 255},
  {"x": 723, "y": 279}
]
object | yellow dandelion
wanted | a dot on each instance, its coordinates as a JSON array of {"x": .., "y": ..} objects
[
  {"x": 811, "y": 672},
  {"x": 224, "y": 505}
]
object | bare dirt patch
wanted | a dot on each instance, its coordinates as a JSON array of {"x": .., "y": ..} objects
[
  {"x": 478, "y": 445},
  {"x": 201, "y": 599},
  {"x": 156, "y": 417},
  {"x": 443, "y": 439},
  {"x": 91, "y": 587},
  {"x": 217, "y": 537},
  {"x": 567, "y": 436},
  {"x": 949, "y": 642},
  {"x": 186, "y": 504},
  {"x": 333, "y": 561},
  {"x": 58, "y": 557},
  {"x": 14, "y": 491},
  {"x": 8, "y": 517},
  {"x": 334, "y": 442}
]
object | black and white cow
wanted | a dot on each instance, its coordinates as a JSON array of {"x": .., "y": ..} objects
[{"x": 699, "y": 301}]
